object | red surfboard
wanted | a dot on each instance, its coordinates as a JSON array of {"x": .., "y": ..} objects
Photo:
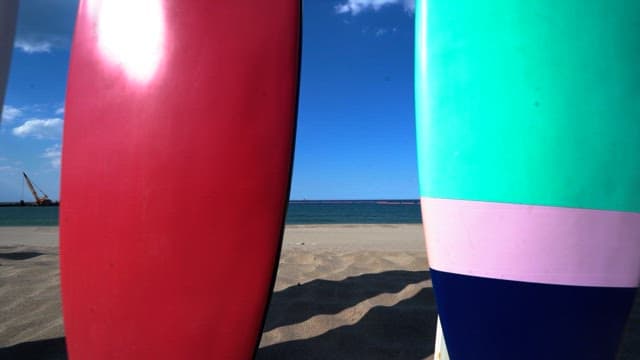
[{"x": 178, "y": 139}]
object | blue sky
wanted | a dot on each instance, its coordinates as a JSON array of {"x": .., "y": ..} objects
[{"x": 356, "y": 137}]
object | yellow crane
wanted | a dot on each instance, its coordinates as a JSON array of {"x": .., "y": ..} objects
[{"x": 40, "y": 200}]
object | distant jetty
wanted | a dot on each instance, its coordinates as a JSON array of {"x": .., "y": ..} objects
[{"x": 25, "y": 203}]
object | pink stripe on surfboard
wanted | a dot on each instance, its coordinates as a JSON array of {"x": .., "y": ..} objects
[{"x": 541, "y": 244}]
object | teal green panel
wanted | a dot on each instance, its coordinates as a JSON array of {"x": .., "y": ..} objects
[{"x": 534, "y": 102}]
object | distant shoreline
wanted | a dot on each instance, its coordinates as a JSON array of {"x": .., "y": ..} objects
[
  {"x": 298, "y": 212},
  {"x": 372, "y": 201},
  {"x": 24, "y": 204},
  {"x": 340, "y": 201}
]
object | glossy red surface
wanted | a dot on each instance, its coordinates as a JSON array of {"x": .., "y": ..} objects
[{"x": 175, "y": 175}]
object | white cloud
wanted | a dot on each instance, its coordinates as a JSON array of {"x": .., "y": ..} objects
[
  {"x": 8, "y": 169},
  {"x": 34, "y": 46},
  {"x": 60, "y": 110},
  {"x": 354, "y": 7},
  {"x": 381, "y": 31},
  {"x": 409, "y": 5},
  {"x": 9, "y": 113},
  {"x": 53, "y": 154},
  {"x": 45, "y": 25},
  {"x": 40, "y": 128}
]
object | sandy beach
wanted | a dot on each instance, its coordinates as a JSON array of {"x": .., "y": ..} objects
[{"x": 342, "y": 292}]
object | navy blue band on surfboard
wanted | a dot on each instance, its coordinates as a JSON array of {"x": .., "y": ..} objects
[{"x": 503, "y": 319}]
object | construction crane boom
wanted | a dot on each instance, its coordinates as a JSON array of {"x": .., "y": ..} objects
[{"x": 40, "y": 200}]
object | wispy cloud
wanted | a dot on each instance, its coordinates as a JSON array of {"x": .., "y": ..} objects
[
  {"x": 5, "y": 168},
  {"x": 60, "y": 110},
  {"x": 409, "y": 5},
  {"x": 34, "y": 46},
  {"x": 383, "y": 31},
  {"x": 354, "y": 7},
  {"x": 10, "y": 113},
  {"x": 45, "y": 25},
  {"x": 53, "y": 154},
  {"x": 40, "y": 128}
]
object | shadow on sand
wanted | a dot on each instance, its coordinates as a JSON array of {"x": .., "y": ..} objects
[
  {"x": 403, "y": 331},
  {"x": 23, "y": 255},
  {"x": 49, "y": 349},
  {"x": 330, "y": 297},
  {"x": 630, "y": 347}
]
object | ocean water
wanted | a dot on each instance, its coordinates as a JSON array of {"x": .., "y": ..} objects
[
  {"x": 354, "y": 212},
  {"x": 29, "y": 216},
  {"x": 299, "y": 212}
]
